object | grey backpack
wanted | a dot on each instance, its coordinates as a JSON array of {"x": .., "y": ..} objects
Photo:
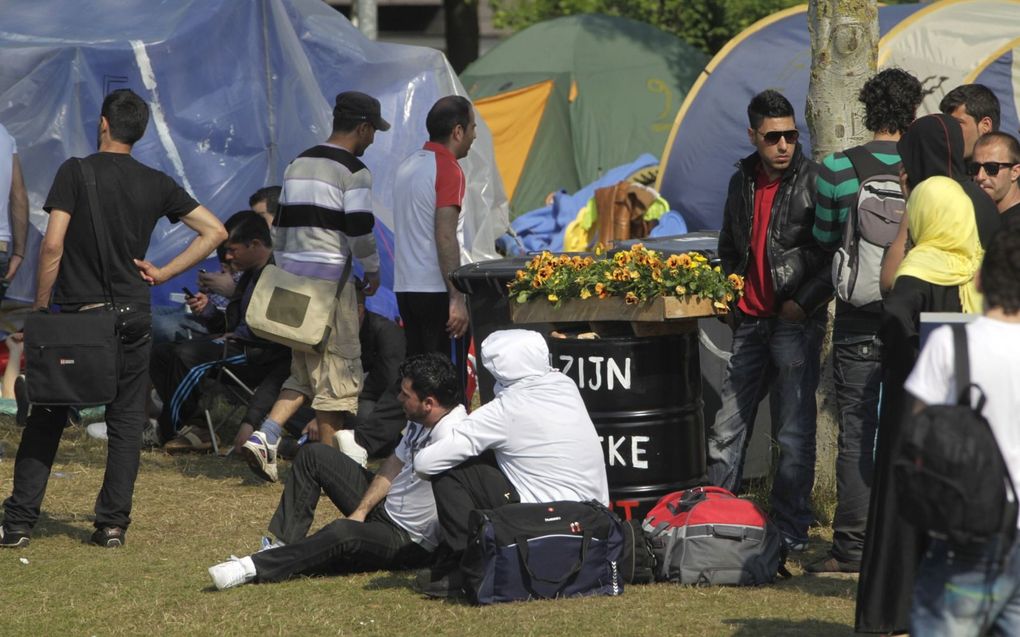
[{"x": 870, "y": 226}]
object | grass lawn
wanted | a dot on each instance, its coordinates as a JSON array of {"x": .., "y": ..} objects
[{"x": 193, "y": 511}]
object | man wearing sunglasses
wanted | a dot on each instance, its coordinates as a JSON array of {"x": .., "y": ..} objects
[
  {"x": 996, "y": 170},
  {"x": 766, "y": 238}
]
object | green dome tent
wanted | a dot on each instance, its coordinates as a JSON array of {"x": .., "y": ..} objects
[{"x": 569, "y": 98}]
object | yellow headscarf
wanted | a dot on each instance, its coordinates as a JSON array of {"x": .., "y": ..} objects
[{"x": 946, "y": 247}]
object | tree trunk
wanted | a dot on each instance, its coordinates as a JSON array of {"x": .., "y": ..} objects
[
  {"x": 461, "y": 27},
  {"x": 844, "y": 53}
]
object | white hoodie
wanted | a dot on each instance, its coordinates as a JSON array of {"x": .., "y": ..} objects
[{"x": 537, "y": 425}]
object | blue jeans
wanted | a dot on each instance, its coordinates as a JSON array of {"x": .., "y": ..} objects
[
  {"x": 857, "y": 372},
  {"x": 771, "y": 350},
  {"x": 963, "y": 590}
]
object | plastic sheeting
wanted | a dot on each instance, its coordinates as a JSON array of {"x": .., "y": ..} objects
[{"x": 236, "y": 89}]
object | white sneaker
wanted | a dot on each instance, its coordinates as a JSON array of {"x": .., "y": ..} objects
[
  {"x": 261, "y": 456},
  {"x": 97, "y": 430},
  {"x": 233, "y": 572},
  {"x": 346, "y": 443}
]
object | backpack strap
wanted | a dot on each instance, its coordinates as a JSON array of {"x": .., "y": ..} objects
[
  {"x": 865, "y": 164},
  {"x": 961, "y": 363}
]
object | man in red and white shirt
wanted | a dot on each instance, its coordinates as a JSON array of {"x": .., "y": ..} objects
[{"x": 428, "y": 194}]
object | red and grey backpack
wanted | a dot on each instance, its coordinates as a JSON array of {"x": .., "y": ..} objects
[{"x": 707, "y": 535}]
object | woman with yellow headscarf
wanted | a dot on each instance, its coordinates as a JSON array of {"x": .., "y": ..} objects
[{"x": 937, "y": 275}]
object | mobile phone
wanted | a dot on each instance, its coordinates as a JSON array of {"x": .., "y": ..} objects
[
  {"x": 202, "y": 271},
  {"x": 188, "y": 293}
]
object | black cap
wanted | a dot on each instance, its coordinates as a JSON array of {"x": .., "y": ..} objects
[{"x": 355, "y": 105}]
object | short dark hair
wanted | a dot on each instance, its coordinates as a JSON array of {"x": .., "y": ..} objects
[
  {"x": 445, "y": 115},
  {"x": 247, "y": 226},
  {"x": 890, "y": 101},
  {"x": 768, "y": 103},
  {"x": 432, "y": 375},
  {"x": 1000, "y": 271},
  {"x": 270, "y": 195},
  {"x": 127, "y": 115},
  {"x": 1011, "y": 143},
  {"x": 979, "y": 100}
]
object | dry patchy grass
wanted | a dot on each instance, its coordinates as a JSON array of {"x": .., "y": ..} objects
[{"x": 193, "y": 511}]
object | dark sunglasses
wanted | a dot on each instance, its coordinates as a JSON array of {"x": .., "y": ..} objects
[
  {"x": 772, "y": 137},
  {"x": 991, "y": 167}
]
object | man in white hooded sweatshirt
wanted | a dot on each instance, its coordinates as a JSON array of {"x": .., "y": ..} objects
[{"x": 534, "y": 442}]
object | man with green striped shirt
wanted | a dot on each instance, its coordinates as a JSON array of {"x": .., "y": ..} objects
[{"x": 890, "y": 100}]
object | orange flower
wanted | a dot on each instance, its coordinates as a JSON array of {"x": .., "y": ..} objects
[
  {"x": 535, "y": 283},
  {"x": 553, "y": 298},
  {"x": 585, "y": 293},
  {"x": 736, "y": 281},
  {"x": 622, "y": 258},
  {"x": 521, "y": 275},
  {"x": 631, "y": 298}
]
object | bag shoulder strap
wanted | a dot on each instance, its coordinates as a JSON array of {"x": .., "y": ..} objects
[
  {"x": 961, "y": 363},
  {"x": 866, "y": 165},
  {"x": 98, "y": 225}
]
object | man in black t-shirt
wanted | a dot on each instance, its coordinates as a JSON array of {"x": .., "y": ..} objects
[{"x": 133, "y": 198}]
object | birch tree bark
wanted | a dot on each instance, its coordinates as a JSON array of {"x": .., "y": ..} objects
[{"x": 844, "y": 53}]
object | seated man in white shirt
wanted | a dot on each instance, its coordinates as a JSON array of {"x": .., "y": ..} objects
[
  {"x": 534, "y": 442},
  {"x": 390, "y": 519}
]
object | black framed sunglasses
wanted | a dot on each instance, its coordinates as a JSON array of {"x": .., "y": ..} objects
[
  {"x": 992, "y": 168},
  {"x": 772, "y": 137}
]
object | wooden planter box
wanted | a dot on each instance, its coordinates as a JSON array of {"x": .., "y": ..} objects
[{"x": 659, "y": 309}]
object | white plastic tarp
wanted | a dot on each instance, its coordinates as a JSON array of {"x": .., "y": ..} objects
[{"x": 237, "y": 89}]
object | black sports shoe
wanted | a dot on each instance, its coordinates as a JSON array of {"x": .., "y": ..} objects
[
  {"x": 109, "y": 537},
  {"x": 13, "y": 539},
  {"x": 21, "y": 398},
  {"x": 439, "y": 582}
]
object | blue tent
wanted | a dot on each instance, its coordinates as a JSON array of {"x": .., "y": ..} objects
[
  {"x": 944, "y": 43},
  {"x": 237, "y": 89}
]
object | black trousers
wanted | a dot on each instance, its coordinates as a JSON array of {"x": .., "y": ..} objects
[
  {"x": 177, "y": 370},
  {"x": 424, "y": 315},
  {"x": 342, "y": 546},
  {"x": 474, "y": 484},
  {"x": 125, "y": 420}
]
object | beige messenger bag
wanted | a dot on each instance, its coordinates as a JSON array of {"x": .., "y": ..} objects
[{"x": 296, "y": 311}]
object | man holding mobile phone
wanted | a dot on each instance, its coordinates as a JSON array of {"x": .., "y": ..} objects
[{"x": 177, "y": 368}]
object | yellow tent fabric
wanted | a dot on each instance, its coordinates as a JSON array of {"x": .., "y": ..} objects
[{"x": 514, "y": 118}]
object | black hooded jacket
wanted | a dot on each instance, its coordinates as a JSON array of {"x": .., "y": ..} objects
[
  {"x": 800, "y": 268},
  {"x": 933, "y": 146}
]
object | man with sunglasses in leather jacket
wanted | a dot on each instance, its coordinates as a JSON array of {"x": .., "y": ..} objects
[{"x": 779, "y": 322}]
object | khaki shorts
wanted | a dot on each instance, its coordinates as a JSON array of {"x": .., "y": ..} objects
[{"x": 332, "y": 379}]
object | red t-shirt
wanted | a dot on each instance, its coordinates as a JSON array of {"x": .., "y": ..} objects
[{"x": 759, "y": 296}]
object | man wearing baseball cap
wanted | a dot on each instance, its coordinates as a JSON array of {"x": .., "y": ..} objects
[{"x": 324, "y": 220}]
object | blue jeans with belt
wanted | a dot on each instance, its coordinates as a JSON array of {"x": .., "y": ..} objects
[
  {"x": 784, "y": 354},
  {"x": 963, "y": 590}
]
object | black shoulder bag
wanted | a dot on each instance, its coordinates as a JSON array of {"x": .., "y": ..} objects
[{"x": 73, "y": 358}]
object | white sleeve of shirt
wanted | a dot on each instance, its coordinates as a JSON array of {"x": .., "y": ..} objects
[
  {"x": 932, "y": 379},
  {"x": 485, "y": 428}
]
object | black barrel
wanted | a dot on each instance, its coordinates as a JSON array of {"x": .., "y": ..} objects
[{"x": 644, "y": 396}]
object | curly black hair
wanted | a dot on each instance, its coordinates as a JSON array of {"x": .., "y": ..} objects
[
  {"x": 890, "y": 101},
  {"x": 432, "y": 375},
  {"x": 1000, "y": 271}
]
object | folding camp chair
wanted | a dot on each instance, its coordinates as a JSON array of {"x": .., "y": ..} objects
[{"x": 224, "y": 384}]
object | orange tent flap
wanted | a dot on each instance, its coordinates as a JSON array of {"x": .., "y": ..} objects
[{"x": 513, "y": 118}]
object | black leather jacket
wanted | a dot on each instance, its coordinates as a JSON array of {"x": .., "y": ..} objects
[{"x": 800, "y": 268}]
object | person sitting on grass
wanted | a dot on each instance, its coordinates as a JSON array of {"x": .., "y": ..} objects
[{"x": 390, "y": 518}]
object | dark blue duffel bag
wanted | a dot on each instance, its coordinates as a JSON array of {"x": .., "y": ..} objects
[{"x": 541, "y": 551}]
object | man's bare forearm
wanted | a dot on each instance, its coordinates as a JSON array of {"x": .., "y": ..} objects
[{"x": 447, "y": 247}]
